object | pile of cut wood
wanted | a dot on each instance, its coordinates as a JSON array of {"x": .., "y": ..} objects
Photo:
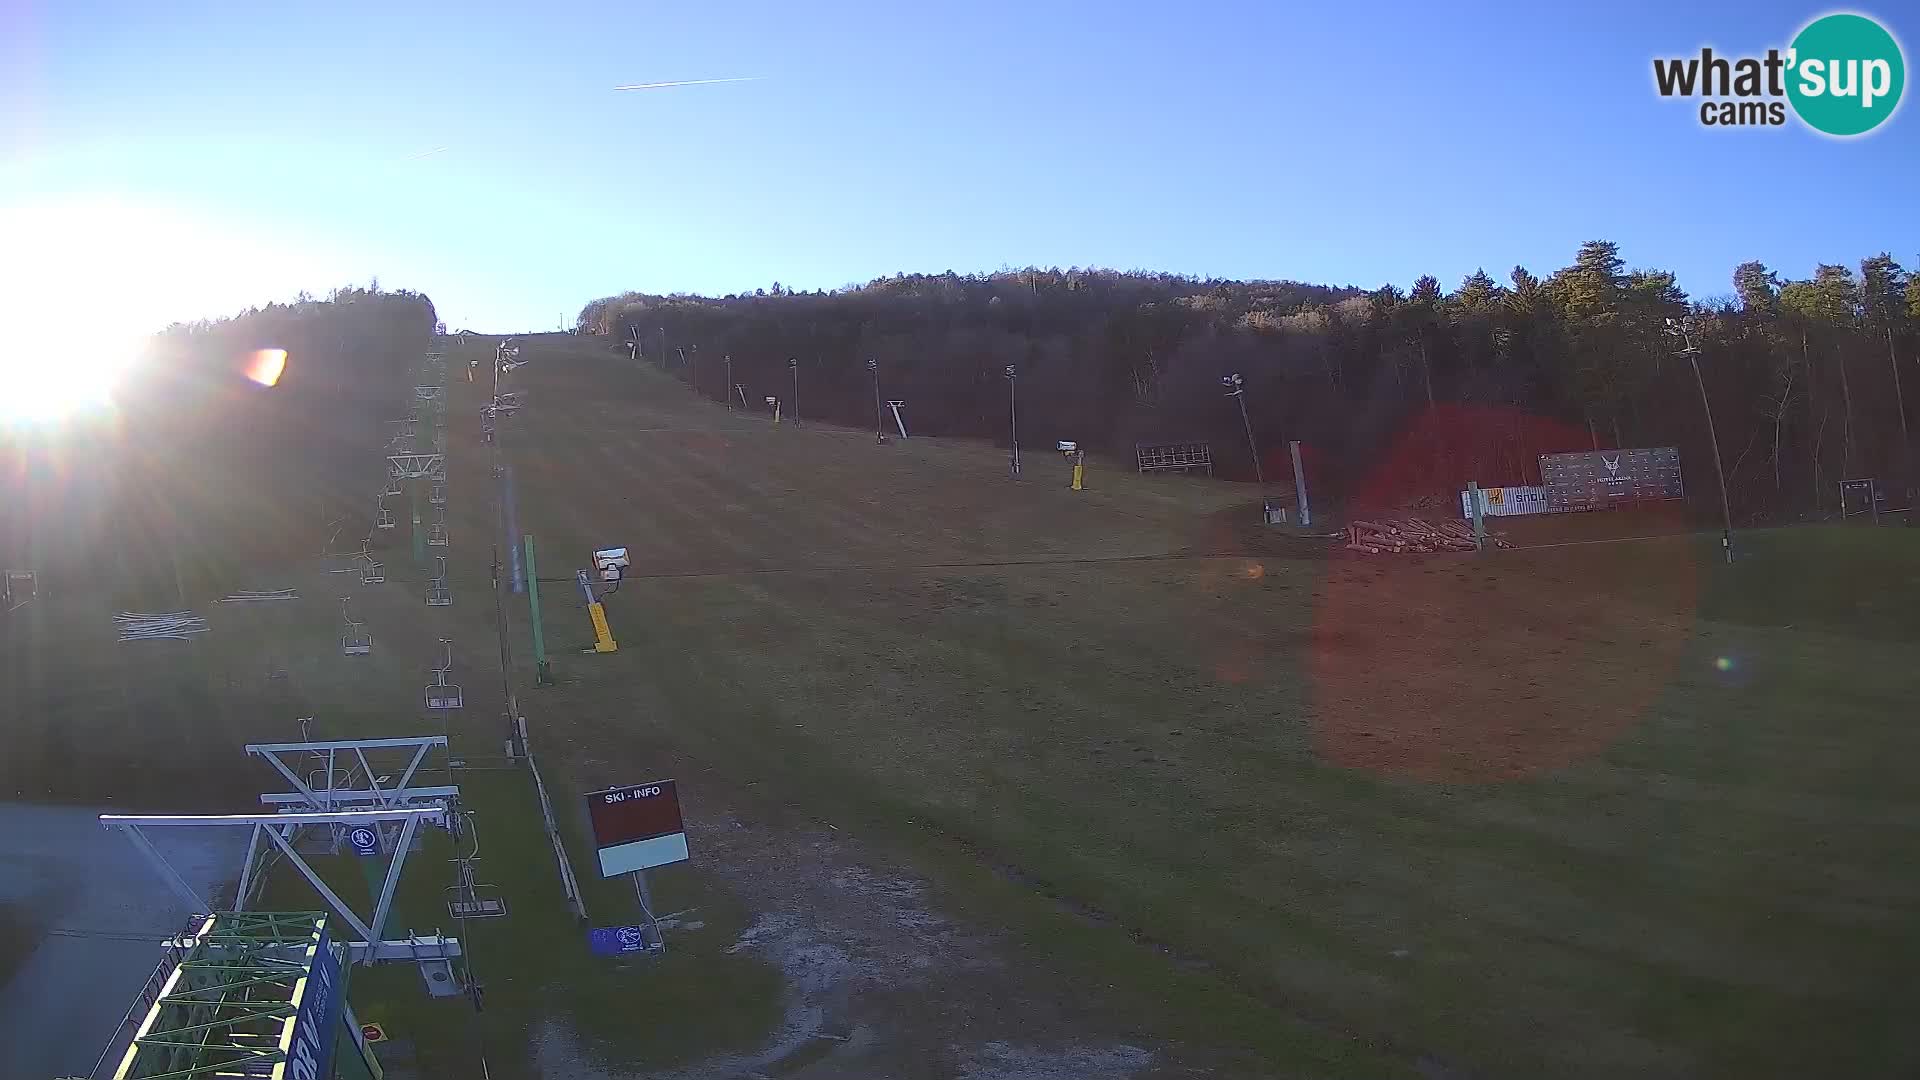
[{"x": 1391, "y": 537}]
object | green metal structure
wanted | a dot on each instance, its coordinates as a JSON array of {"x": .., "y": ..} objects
[{"x": 228, "y": 1008}]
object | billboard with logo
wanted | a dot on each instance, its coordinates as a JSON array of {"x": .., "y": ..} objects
[{"x": 1600, "y": 479}]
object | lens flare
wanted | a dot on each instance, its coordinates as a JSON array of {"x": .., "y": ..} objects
[{"x": 265, "y": 366}]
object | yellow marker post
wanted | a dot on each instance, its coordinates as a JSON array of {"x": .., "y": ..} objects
[
  {"x": 1079, "y": 469},
  {"x": 602, "y": 637}
]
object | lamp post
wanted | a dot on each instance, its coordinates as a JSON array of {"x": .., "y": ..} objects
[
  {"x": 793, "y": 365},
  {"x": 873, "y": 368},
  {"x": 693, "y": 371},
  {"x": 729, "y": 387},
  {"x": 1692, "y": 352},
  {"x": 1236, "y": 388},
  {"x": 1013, "y": 426}
]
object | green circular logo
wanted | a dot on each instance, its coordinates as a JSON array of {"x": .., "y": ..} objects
[{"x": 1846, "y": 74}]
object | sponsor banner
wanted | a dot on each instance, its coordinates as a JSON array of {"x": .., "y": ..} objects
[
  {"x": 1506, "y": 502},
  {"x": 1598, "y": 479}
]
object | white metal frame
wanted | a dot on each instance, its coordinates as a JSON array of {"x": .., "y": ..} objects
[
  {"x": 896, "y": 406},
  {"x": 279, "y": 829},
  {"x": 413, "y": 466}
]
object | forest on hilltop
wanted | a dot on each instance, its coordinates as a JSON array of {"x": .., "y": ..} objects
[{"x": 1394, "y": 393}]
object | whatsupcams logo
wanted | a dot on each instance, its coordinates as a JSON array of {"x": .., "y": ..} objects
[{"x": 1842, "y": 75}]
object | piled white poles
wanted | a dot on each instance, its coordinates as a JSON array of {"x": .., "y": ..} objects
[
  {"x": 176, "y": 625},
  {"x": 250, "y": 595}
]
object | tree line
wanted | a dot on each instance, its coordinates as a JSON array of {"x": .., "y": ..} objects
[{"x": 1394, "y": 393}]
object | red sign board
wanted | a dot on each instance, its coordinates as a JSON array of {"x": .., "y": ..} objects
[{"x": 637, "y": 827}]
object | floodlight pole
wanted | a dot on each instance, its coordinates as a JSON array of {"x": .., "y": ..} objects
[
  {"x": 1013, "y": 426},
  {"x": 1692, "y": 353},
  {"x": 879, "y": 432},
  {"x": 1236, "y": 389},
  {"x": 793, "y": 365}
]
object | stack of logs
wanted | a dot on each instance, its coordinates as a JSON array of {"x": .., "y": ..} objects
[{"x": 1413, "y": 535}]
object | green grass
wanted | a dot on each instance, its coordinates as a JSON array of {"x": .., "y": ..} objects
[
  {"x": 1588, "y": 811},
  {"x": 1509, "y": 813}
]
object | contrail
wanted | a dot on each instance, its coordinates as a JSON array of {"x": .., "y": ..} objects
[
  {"x": 687, "y": 82},
  {"x": 426, "y": 153}
]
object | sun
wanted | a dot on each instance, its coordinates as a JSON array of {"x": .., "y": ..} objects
[
  {"x": 84, "y": 283},
  {"x": 47, "y": 377}
]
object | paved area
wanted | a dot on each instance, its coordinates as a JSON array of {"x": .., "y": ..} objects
[{"x": 87, "y": 914}]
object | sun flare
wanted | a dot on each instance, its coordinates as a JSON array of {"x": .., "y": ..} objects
[{"x": 86, "y": 282}]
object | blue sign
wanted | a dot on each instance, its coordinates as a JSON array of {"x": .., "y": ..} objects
[
  {"x": 310, "y": 1055},
  {"x": 614, "y": 940},
  {"x": 365, "y": 840}
]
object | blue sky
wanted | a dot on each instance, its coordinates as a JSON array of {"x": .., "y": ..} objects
[{"x": 278, "y": 145}]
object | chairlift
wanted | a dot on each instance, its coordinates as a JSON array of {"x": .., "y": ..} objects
[
  {"x": 383, "y": 516},
  {"x": 354, "y": 638},
  {"x": 437, "y": 534},
  {"x": 372, "y": 572},
  {"x": 467, "y": 899},
  {"x": 21, "y": 587},
  {"x": 437, "y": 494},
  {"x": 440, "y": 693},
  {"x": 392, "y": 490},
  {"x": 438, "y": 595}
]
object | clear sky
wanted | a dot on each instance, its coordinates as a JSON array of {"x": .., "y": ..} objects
[{"x": 205, "y": 156}]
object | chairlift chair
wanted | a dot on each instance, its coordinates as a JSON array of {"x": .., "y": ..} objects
[
  {"x": 438, "y": 595},
  {"x": 467, "y": 899},
  {"x": 383, "y": 516},
  {"x": 354, "y": 638},
  {"x": 440, "y": 693},
  {"x": 437, "y": 494},
  {"x": 372, "y": 572},
  {"x": 20, "y": 588}
]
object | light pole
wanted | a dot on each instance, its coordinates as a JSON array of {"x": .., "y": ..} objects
[
  {"x": 1013, "y": 427},
  {"x": 693, "y": 371},
  {"x": 729, "y": 387},
  {"x": 1236, "y": 388},
  {"x": 793, "y": 365},
  {"x": 879, "y": 433},
  {"x": 1692, "y": 353},
  {"x": 663, "y": 348}
]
